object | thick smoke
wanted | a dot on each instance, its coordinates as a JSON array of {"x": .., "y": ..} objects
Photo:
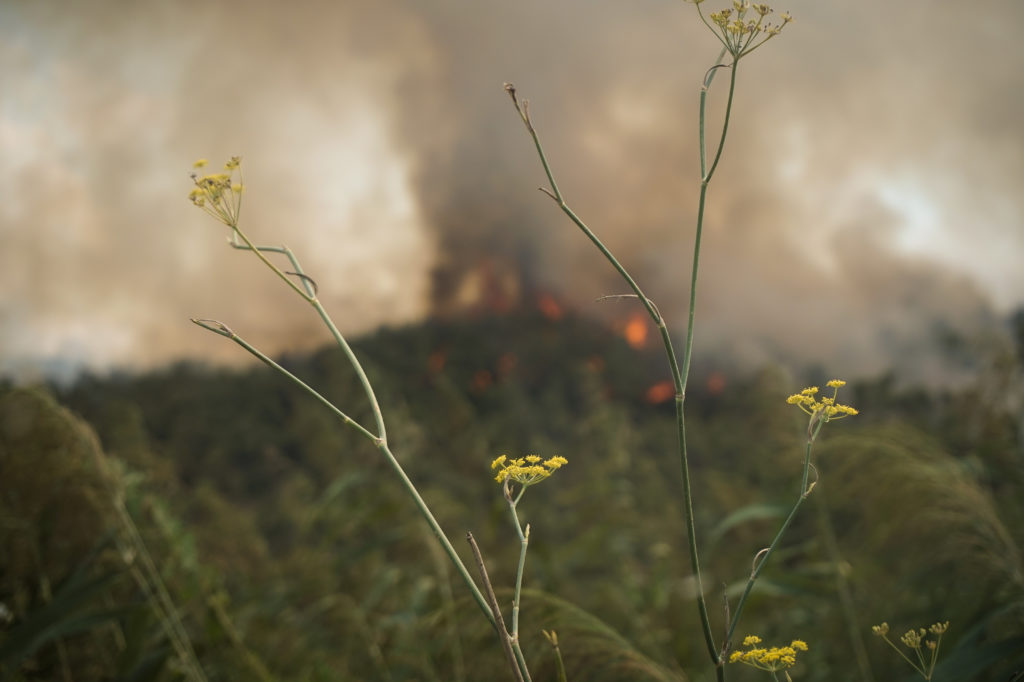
[{"x": 867, "y": 199}]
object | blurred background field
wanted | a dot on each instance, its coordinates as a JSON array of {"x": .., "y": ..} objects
[{"x": 293, "y": 554}]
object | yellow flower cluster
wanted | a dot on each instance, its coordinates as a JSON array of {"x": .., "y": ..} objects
[
  {"x": 737, "y": 28},
  {"x": 913, "y": 640},
  {"x": 527, "y": 470},
  {"x": 825, "y": 408},
  {"x": 219, "y": 194},
  {"x": 770, "y": 659}
]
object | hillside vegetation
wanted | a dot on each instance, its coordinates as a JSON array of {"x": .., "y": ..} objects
[{"x": 288, "y": 552}]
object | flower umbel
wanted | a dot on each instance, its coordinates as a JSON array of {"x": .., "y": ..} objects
[
  {"x": 770, "y": 659},
  {"x": 742, "y": 34},
  {"x": 526, "y": 471},
  {"x": 219, "y": 194},
  {"x": 917, "y": 642},
  {"x": 824, "y": 408}
]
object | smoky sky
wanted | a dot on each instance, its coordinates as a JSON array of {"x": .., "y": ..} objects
[{"x": 868, "y": 196}]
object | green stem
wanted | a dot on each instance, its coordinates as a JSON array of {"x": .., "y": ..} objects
[
  {"x": 725, "y": 123},
  {"x": 904, "y": 657},
  {"x": 760, "y": 562},
  {"x": 920, "y": 658},
  {"x": 935, "y": 655},
  {"x": 276, "y": 270},
  {"x": 678, "y": 377},
  {"x": 562, "y": 675},
  {"x": 521, "y": 660},
  {"x": 524, "y": 543},
  {"x": 381, "y": 445},
  {"x": 309, "y": 295},
  {"x": 378, "y": 416},
  {"x": 515, "y": 661},
  {"x": 150, "y": 580}
]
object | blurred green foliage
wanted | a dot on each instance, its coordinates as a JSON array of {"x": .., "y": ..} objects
[{"x": 292, "y": 554}]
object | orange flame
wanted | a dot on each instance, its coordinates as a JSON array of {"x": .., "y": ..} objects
[
  {"x": 716, "y": 383},
  {"x": 660, "y": 392},
  {"x": 549, "y": 307},
  {"x": 482, "y": 380},
  {"x": 636, "y": 331},
  {"x": 507, "y": 363}
]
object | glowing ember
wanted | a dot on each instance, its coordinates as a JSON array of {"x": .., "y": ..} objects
[
  {"x": 660, "y": 392},
  {"x": 549, "y": 307},
  {"x": 482, "y": 380},
  {"x": 636, "y": 331},
  {"x": 437, "y": 360},
  {"x": 507, "y": 363}
]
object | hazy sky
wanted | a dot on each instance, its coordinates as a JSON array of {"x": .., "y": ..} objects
[{"x": 869, "y": 196}]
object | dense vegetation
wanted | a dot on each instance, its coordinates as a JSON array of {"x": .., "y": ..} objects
[{"x": 290, "y": 553}]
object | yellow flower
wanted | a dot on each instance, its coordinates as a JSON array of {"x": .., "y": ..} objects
[
  {"x": 742, "y": 35},
  {"x": 770, "y": 659},
  {"x": 912, "y": 639},
  {"x": 528, "y": 470},
  {"x": 219, "y": 194},
  {"x": 825, "y": 408},
  {"x": 916, "y": 641}
]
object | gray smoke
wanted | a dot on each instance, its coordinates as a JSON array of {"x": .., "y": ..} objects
[{"x": 867, "y": 199}]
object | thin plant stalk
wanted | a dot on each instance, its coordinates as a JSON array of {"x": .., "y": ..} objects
[
  {"x": 762, "y": 557},
  {"x": 680, "y": 376},
  {"x": 912, "y": 664},
  {"x": 381, "y": 444},
  {"x": 524, "y": 543},
  {"x": 259, "y": 670},
  {"x": 552, "y": 638},
  {"x": 148, "y": 578},
  {"x": 492, "y": 600},
  {"x": 308, "y": 292}
]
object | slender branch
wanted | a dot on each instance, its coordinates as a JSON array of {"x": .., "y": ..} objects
[
  {"x": 381, "y": 445},
  {"x": 709, "y": 78},
  {"x": 725, "y": 123},
  {"x": 233, "y": 242},
  {"x": 897, "y": 650},
  {"x": 266, "y": 261},
  {"x": 524, "y": 543},
  {"x": 150, "y": 580},
  {"x": 765, "y": 554},
  {"x": 492, "y": 600},
  {"x": 224, "y": 330},
  {"x": 935, "y": 656},
  {"x": 678, "y": 377},
  {"x": 309, "y": 295},
  {"x": 552, "y": 638}
]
